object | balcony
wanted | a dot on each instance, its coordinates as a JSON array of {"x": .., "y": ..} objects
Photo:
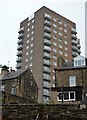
[
  {"x": 74, "y": 54},
  {"x": 47, "y": 56},
  {"x": 75, "y": 48},
  {"x": 79, "y": 51},
  {"x": 19, "y": 53},
  {"x": 19, "y": 47},
  {"x": 79, "y": 46},
  {"x": 19, "y": 59},
  {"x": 18, "y": 65},
  {"x": 20, "y": 36},
  {"x": 73, "y": 30},
  {"x": 46, "y": 85},
  {"x": 47, "y": 35},
  {"x": 47, "y": 49},
  {"x": 47, "y": 17},
  {"x": 74, "y": 42},
  {"x": 46, "y": 93},
  {"x": 47, "y": 42},
  {"x": 20, "y": 41},
  {"x": 21, "y": 30},
  {"x": 74, "y": 36},
  {"x": 47, "y": 29},
  {"x": 47, "y": 70},
  {"x": 48, "y": 78},
  {"x": 47, "y": 23},
  {"x": 47, "y": 63}
]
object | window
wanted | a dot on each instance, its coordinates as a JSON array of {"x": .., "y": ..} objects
[
  {"x": 65, "y": 36},
  {"x": 67, "y": 96},
  {"x": 28, "y": 29},
  {"x": 32, "y": 38},
  {"x": 55, "y": 44},
  {"x": 53, "y": 77},
  {"x": 54, "y": 63},
  {"x": 66, "y": 54},
  {"x": 28, "y": 23},
  {"x": 33, "y": 21},
  {"x": 60, "y": 46},
  {"x": 54, "y": 25},
  {"x": 72, "y": 80},
  {"x": 55, "y": 31},
  {"x": 60, "y": 39},
  {"x": 26, "y": 60},
  {"x": 66, "y": 48},
  {"x": 27, "y": 41},
  {"x": 65, "y": 25},
  {"x": 60, "y": 28},
  {"x": 27, "y": 47},
  {"x": 54, "y": 57},
  {"x": 2, "y": 87},
  {"x": 79, "y": 62},
  {"x": 54, "y": 37},
  {"x": 32, "y": 32},
  {"x": 54, "y": 50},
  {"x": 31, "y": 51},
  {"x": 32, "y": 26},
  {"x": 65, "y": 30},
  {"x": 65, "y": 42},
  {"x": 31, "y": 57},
  {"x": 59, "y": 22},
  {"x": 60, "y": 52},
  {"x": 28, "y": 35},
  {"x": 30, "y": 64},
  {"x": 31, "y": 45},
  {"x": 60, "y": 34},
  {"x": 13, "y": 91},
  {"x": 26, "y": 53},
  {"x": 54, "y": 19},
  {"x": 26, "y": 66}
]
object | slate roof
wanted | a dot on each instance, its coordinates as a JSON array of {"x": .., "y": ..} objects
[{"x": 12, "y": 75}]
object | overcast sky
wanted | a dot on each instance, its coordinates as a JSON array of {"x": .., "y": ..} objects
[{"x": 12, "y": 12}]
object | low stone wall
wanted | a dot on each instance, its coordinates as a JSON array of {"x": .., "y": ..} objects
[{"x": 43, "y": 112}]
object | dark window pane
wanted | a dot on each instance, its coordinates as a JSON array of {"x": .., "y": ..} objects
[
  {"x": 66, "y": 96},
  {"x": 71, "y": 95}
]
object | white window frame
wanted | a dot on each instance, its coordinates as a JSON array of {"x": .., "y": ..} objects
[
  {"x": 69, "y": 92},
  {"x": 72, "y": 78}
]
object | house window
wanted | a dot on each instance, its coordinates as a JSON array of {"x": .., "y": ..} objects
[
  {"x": 13, "y": 91},
  {"x": 67, "y": 96},
  {"x": 2, "y": 87},
  {"x": 72, "y": 80},
  {"x": 55, "y": 44},
  {"x": 54, "y": 25}
]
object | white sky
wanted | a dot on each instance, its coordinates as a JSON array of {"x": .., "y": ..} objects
[{"x": 12, "y": 12}]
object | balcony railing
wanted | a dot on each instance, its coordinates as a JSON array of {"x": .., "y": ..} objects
[
  {"x": 46, "y": 93},
  {"x": 47, "y": 49},
  {"x": 20, "y": 41},
  {"x": 47, "y": 42},
  {"x": 46, "y": 62},
  {"x": 74, "y": 36},
  {"x": 74, "y": 54},
  {"x": 47, "y": 56},
  {"x": 19, "y": 47},
  {"x": 21, "y": 30},
  {"x": 75, "y": 48},
  {"x": 47, "y": 77},
  {"x": 46, "y": 85},
  {"x": 20, "y": 36},
  {"x": 73, "y": 30},
  {"x": 47, "y": 70},
  {"x": 18, "y": 65},
  {"x": 19, "y": 53},
  {"x": 48, "y": 23},
  {"x": 47, "y": 29},
  {"x": 47, "y": 16},
  {"x": 47, "y": 35},
  {"x": 19, "y": 59},
  {"x": 74, "y": 42}
]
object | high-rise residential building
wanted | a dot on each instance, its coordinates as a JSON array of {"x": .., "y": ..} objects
[{"x": 43, "y": 37}]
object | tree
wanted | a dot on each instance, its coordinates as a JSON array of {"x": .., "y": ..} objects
[{"x": 5, "y": 68}]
